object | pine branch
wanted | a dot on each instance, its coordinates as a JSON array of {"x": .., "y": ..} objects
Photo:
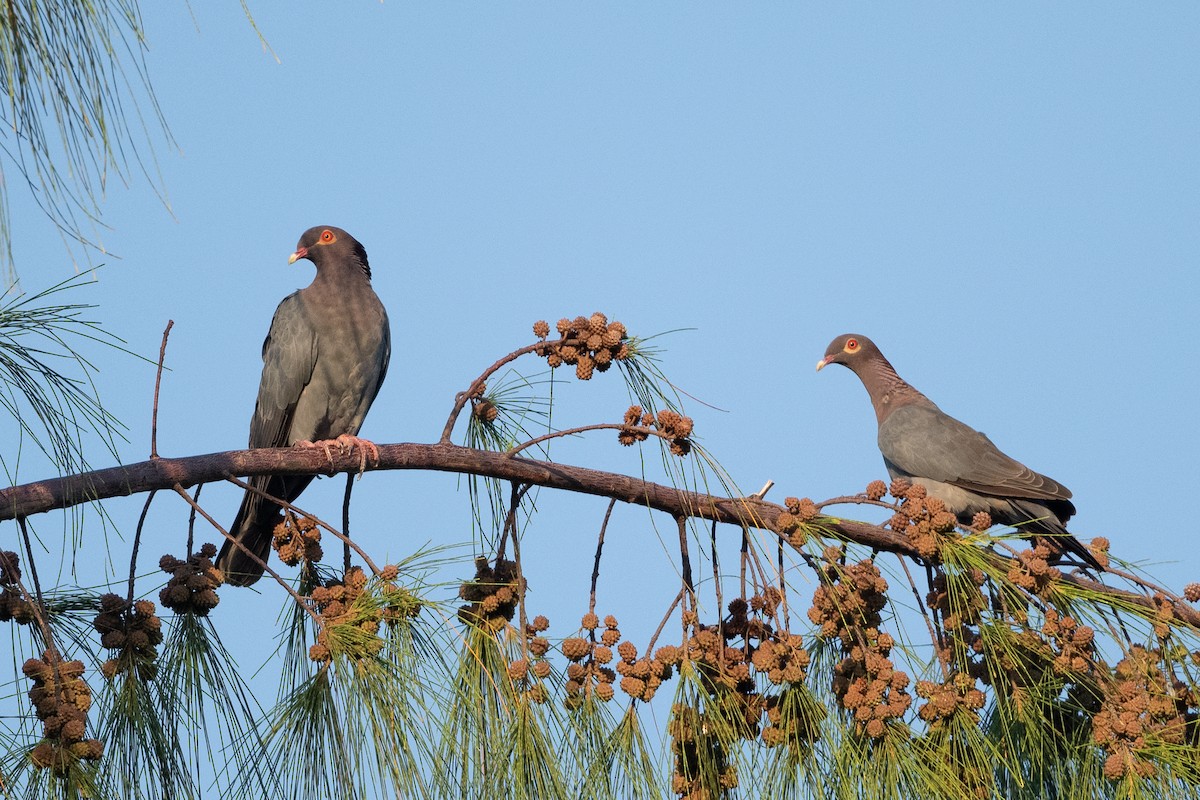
[{"x": 25, "y": 500}]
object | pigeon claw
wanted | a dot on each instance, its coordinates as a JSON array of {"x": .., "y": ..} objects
[
  {"x": 364, "y": 446},
  {"x": 345, "y": 444}
]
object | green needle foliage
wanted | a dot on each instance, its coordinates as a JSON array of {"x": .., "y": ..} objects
[
  {"x": 354, "y": 722},
  {"x": 78, "y": 108},
  {"x": 46, "y": 381},
  {"x": 210, "y": 712}
]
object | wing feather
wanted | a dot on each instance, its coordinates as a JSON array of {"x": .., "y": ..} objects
[
  {"x": 289, "y": 358},
  {"x": 928, "y": 443}
]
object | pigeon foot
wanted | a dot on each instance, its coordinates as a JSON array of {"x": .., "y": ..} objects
[{"x": 345, "y": 444}]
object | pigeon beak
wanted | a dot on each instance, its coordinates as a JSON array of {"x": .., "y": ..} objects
[
  {"x": 299, "y": 254},
  {"x": 821, "y": 364}
]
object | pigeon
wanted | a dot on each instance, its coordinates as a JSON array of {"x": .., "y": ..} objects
[
  {"x": 954, "y": 462},
  {"x": 324, "y": 359}
]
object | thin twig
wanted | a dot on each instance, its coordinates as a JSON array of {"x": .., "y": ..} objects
[
  {"x": 523, "y": 614},
  {"x": 939, "y": 642},
  {"x": 346, "y": 523},
  {"x": 600, "y": 426},
  {"x": 301, "y": 512},
  {"x": 510, "y": 520},
  {"x": 857, "y": 499},
  {"x": 596, "y": 563},
  {"x": 686, "y": 561},
  {"x": 663, "y": 623},
  {"x": 783, "y": 588},
  {"x": 743, "y": 557},
  {"x": 720, "y": 599},
  {"x": 39, "y": 606},
  {"x": 191, "y": 542},
  {"x": 162, "y": 354},
  {"x": 934, "y": 639},
  {"x": 137, "y": 541},
  {"x": 460, "y": 400}
]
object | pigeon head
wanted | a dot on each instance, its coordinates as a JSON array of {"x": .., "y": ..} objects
[
  {"x": 325, "y": 245},
  {"x": 851, "y": 350},
  {"x": 888, "y": 391}
]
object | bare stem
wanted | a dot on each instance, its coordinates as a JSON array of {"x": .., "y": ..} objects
[
  {"x": 162, "y": 354},
  {"x": 596, "y": 563},
  {"x": 39, "y": 606},
  {"x": 137, "y": 541},
  {"x": 460, "y": 400},
  {"x": 346, "y": 524},
  {"x": 601, "y": 426},
  {"x": 933, "y": 637},
  {"x": 686, "y": 561}
]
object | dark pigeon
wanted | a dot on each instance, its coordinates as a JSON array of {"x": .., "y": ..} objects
[
  {"x": 324, "y": 360},
  {"x": 955, "y": 463}
]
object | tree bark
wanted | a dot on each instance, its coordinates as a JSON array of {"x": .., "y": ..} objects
[{"x": 164, "y": 473}]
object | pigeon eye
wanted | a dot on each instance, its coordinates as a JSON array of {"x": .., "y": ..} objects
[
  {"x": 851, "y": 345},
  {"x": 326, "y": 237}
]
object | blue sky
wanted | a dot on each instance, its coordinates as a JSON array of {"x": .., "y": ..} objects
[{"x": 1004, "y": 197}]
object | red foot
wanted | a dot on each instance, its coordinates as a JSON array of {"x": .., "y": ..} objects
[{"x": 345, "y": 444}]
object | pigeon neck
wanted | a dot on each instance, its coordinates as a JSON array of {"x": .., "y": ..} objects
[
  {"x": 339, "y": 273},
  {"x": 887, "y": 390}
]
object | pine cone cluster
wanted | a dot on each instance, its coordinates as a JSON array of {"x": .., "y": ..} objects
[
  {"x": 957, "y": 695},
  {"x": 1075, "y": 644},
  {"x": 133, "y": 632},
  {"x": 1144, "y": 711},
  {"x": 782, "y": 658},
  {"x": 492, "y": 596},
  {"x": 484, "y": 410},
  {"x": 635, "y": 417},
  {"x": 959, "y": 603},
  {"x": 641, "y": 677},
  {"x": 848, "y": 600},
  {"x": 296, "y": 539},
  {"x": 61, "y": 700},
  {"x": 192, "y": 588},
  {"x": 1098, "y": 547},
  {"x": 1164, "y": 614},
  {"x": 923, "y": 520},
  {"x": 336, "y": 603},
  {"x": 847, "y": 606},
  {"x": 1032, "y": 571},
  {"x": 791, "y": 721},
  {"x": 1021, "y": 664},
  {"x": 729, "y": 657},
  {"x": 791, "y": 523},
  {"x": 352, "y": 609},
  {"x": 13, "y": 604},
  {"x": 588, "y": 673},
  {"x": 530, "y": 675},
  {"x": 675, "y": 428},
  {"x": 588, "y": 343},
  {"x": 868, "y": 685}
]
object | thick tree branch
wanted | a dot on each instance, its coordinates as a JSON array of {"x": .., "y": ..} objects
[
  {"x": 17, "y": 502},
  {"x": 163, "y": 473}
]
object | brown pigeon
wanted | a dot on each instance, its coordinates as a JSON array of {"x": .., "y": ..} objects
[
  {"x": 955, "y": 463},
  {"x": 324, "y": 360}
]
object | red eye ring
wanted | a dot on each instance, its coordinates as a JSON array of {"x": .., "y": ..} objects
[
  {"x": 852, "y": 344},
  {"x": 327, "y": 237}
]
